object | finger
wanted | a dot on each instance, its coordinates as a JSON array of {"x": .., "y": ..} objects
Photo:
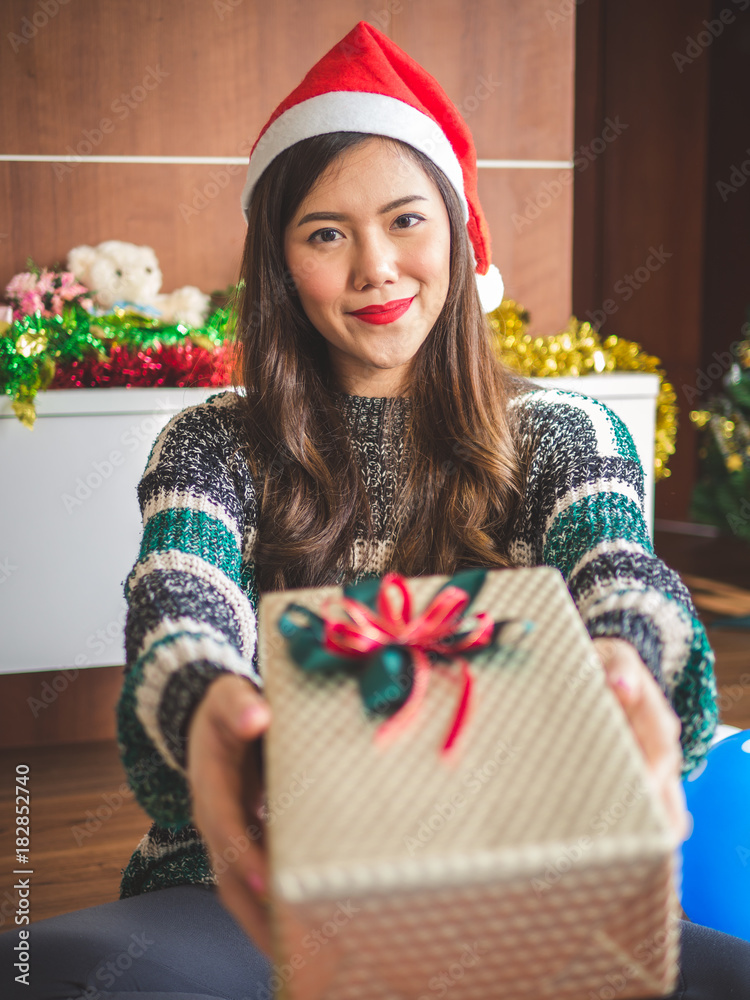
[
  {"x": 652, "y": 719},
  {"x": 239, "y": 708},
  {"x": 670, "y": 792},
  {"x": 654, "y": 724},
  {"x": 223, "y": 821},
  {"x": 657, "y": 729},
  {"x": 245, "y": 716},
  {"x": 225, "y": 809},
  {"x": 623, "y": 669}
]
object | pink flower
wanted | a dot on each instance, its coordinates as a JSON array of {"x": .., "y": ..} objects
[
  {"x": 72, "y": 291},
  {"x": 20, "y": 284},
  {"x": 57, "y": 305},
  {"x": 68, "y": 280},
  {"x": 31, "y": 302},
  {"x": 46, "y": 282}
]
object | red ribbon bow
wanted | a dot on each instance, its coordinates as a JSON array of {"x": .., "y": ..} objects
[{"x": 368, "y": 631}]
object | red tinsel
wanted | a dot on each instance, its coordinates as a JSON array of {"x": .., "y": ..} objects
[{"x": 183, "y": 365}]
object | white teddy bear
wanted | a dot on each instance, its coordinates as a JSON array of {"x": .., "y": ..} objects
[{"x": 127, "y": 275}]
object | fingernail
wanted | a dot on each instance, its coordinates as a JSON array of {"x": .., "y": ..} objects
[
  {"x": 623, "y": 685},
  {"x": 251, "y": 716}
]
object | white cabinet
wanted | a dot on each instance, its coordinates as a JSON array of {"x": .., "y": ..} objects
[
  {"x": 69, "y": 521},
  {"x": 69, "y": 518},
  {"x": 632, "y": 396}
]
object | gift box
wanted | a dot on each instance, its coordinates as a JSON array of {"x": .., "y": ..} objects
[{"x": 455, "y": 801}]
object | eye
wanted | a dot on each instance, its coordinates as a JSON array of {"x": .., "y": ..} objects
[
  {"x": 324, "y": 236},
  {"x": 149, "y": 270},
  {"x": 408, "y": 221},
  {"x": 118, "y": 272}
]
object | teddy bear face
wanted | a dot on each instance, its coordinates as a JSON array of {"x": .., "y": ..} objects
[{"x": 123, "y": 272}]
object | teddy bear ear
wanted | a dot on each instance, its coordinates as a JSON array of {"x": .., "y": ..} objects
[{"x": 80, "y": 260}]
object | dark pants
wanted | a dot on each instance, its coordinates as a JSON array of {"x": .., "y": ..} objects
[{"x": 181, "y": 944}]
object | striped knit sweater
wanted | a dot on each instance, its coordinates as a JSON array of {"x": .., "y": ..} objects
[{"x": 192, "y": 594}]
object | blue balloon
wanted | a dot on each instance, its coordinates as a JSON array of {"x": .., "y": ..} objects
[{"x": 716, "y": 856}]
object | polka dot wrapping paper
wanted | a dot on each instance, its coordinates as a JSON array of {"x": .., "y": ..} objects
[{"x": 528, "y": 859}]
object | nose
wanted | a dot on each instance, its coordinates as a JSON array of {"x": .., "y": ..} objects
[{"x": 375, "y": 260}]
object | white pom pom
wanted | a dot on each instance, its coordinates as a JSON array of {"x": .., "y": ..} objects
[{"x": 490, "y": 287}]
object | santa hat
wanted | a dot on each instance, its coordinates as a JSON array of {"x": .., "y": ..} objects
[{"x": 366, "y": 83}]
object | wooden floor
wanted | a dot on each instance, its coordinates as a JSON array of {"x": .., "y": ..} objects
[{"x": 86, "y": 823}]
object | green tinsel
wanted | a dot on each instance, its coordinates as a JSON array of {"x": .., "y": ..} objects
[{"x": 33, "y": 346}]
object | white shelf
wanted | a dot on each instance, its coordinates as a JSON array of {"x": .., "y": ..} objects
[{"x": 69, "y": 520}]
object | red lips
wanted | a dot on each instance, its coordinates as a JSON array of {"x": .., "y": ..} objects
[{"x": 387, "y": 313}]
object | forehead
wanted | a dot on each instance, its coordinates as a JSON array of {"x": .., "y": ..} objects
[{"x": 371, "y": 168}]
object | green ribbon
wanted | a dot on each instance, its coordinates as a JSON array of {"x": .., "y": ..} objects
[{"x": 385, "y": 677}]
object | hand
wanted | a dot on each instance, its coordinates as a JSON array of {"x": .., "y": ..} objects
[
  {"x": 226, "y": 796},
  {"x": 655, "y": 725}
]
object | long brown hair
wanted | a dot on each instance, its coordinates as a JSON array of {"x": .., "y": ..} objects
[{"x": 464, "y": 475}]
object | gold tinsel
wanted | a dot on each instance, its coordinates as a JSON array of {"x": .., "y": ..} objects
[
  {"x": 579, "y": 350},
  {"x": 730, "y": 435}
]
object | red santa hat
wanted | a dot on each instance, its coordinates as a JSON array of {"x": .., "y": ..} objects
[{"x": 366, "y": 83}]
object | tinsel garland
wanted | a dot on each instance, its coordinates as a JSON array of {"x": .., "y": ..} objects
[
  {"x": 78, "y": 350},
  {"x": 722, "y": 494},
  {"x": 579, "y": 350}
]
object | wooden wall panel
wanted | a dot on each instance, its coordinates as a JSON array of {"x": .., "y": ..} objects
[
  {"x": 727, "y": 284},
  {"x": 505, "y": 66},
  {"x": 52, "y": 706},
  {"x": 644, "y": 193},
  {"x": 531, "y": 220},
  {"x": 190, "y": 214},
  {"x": 175, "y": 79}
]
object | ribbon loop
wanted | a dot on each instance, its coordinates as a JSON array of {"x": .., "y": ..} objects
[{"x": 362, "y": 642}]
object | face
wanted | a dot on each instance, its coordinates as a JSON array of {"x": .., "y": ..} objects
[{"x": 369, "y": 251}]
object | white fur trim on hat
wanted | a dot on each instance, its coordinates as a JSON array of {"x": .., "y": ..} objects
[
  {"x": 490, "y": 287},
  {"x": 355, "y": 111}
]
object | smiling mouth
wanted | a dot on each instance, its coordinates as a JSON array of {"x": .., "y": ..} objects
[{"x": 387, "y": 313}]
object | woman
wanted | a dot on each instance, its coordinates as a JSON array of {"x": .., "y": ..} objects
[{"x": 377, "y": 431}]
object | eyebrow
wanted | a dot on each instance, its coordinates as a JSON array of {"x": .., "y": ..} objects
[{"x": 338, "y": 217}]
